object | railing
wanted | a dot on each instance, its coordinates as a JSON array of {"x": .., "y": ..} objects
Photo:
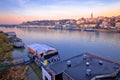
[
  {"x": 107, "y": 75},
  {"x": 23, "y": 61},
  {"x": 102, "y": 58}
]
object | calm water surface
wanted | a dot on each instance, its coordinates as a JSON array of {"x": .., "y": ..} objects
[{"x": 70, "y": 43}]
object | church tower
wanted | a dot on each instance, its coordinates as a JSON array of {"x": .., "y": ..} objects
[{"x": 91, "y": 15}]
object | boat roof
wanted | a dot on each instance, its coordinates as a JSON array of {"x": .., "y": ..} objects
[
  {"x": 40, "y": 48},
  {"x": 78, "y": 68},
  {"x": 11, "y": 33}
]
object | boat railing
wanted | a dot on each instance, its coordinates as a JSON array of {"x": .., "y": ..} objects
[{"x": 113, "y": 75}]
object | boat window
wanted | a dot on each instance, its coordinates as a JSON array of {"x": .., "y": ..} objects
[
  {"x": 46, "y": 78},
  {"x": 41, "y": 54}
]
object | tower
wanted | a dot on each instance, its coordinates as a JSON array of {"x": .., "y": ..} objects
[{"x": 91, "y": 15}]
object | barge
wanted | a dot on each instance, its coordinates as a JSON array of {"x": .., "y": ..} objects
[{"x": 43, "y": 54}]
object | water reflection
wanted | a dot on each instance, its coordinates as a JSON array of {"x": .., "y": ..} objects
[{"x": 71, "y": 43}]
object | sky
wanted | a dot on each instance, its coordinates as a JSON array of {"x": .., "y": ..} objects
[{"x": 18, "y": 11}]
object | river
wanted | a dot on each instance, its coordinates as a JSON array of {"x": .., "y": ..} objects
[{"x": 70, "y": 43}]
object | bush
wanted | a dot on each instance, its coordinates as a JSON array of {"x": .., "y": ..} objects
[{"x": 8, "y": 54}]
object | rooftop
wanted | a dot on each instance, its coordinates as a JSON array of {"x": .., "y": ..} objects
[
  {"x": 41, "y": 48},
  {"x": 84, "y": 64}
]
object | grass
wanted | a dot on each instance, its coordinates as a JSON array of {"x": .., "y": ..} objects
[{"x": 37, "y": 70}]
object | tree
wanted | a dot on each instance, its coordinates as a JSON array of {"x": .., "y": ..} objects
[
  {"x": 4, "y": 38},
  {"x": 8, "y": 54},
  {"x": 5, "y": 47}
]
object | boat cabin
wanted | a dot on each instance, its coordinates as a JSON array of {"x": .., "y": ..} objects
[
  {"x": 10, "y": 34},
  {"x": 43, "y": 54}
]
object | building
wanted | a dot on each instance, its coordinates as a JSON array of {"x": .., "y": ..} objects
[
  {"x": 117, "y": 25},
  {"x": 85, "y": 66},
  {"x": 104, "y": 24}
]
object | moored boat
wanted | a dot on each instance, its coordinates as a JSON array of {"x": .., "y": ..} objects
[
  {"x": 17, "y": 42},
  {"x": 89, "y": 30},
  {"x": 43, "y": 54},
  {"x": 10, "y": 34},
  {"x": 103, "y": 30}
]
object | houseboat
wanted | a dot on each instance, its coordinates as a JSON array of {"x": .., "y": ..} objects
[
  {"x": 17, "y": 42},
  {"x": 43, "y": 54},
  {"x": 10, "y": 34},
  {"x": 13, "y": 39}
]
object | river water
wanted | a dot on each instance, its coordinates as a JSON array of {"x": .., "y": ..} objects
[{"x": 70, "y": 43}]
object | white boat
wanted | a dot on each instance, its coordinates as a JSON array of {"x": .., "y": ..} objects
[
  {"x": 43, "y": 54},
  {"x": 18, "y": 44},
  {"x": 11, "y": 34}
]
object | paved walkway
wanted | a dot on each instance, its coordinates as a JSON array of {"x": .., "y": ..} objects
[{"x": 31, "y": 74}]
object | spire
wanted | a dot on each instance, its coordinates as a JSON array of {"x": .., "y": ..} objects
[{"x": 91, "y": 15}]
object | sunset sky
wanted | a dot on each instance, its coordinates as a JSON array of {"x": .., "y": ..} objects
[{"x": 17, "y": 11}]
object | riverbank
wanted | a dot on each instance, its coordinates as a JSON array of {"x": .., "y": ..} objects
[{"x": 14, "y": 73}]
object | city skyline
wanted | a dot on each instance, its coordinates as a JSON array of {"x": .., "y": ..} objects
[{"x": 18, "y": 11}]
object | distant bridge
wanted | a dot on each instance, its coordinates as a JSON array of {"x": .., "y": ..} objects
[{"x": 16, "y": 62}]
